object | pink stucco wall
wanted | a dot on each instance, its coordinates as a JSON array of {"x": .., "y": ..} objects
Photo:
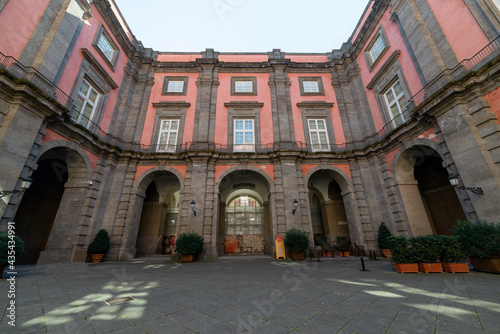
[
  {"x": 156, "y": 97},
  {"x": 18, "y": 20},
  {"x": 178, "y": 57},
  {"x": 362, "y": 22},
  {"x": 243, "y": 58},
  {"x": 329, "y": 96},
  {"x": 463, "y": 32},
  {"x": 122, "y": 21},
  {"x": 69, "y": 76},
  {"x": 494, "y": 100},
  {"x": 307, "y": 58},
  {"x": 410, "y": 73},
  {"x": 263, "y": 96}
]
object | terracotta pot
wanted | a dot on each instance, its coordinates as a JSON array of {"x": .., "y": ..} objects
[
  {"x": 96, "y": 258},
  {"x": 341, "y": 253},
  {"x": 406, "y": 267},
  {"x": 297, "y": 256},
  {"x": 329, "y": 254},
  {"x": 456, "y": 267},
  {"x": 346, "y": 253},
  {"x": 486, "y": 265},
  {"x": 187, "y": 258},
  {"x": 387, "y": 253},
  {"x": 430, "y": 267}
]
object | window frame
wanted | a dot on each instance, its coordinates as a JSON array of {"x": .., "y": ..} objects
[
  {"x": 171, "y": 110},
  {"x": 319, "y": 80},
  {"x": 101, "y": 31},
  {"x": 243, "y": 110},
  {"x": 244, "y": 131},
  {"x": 95, "y": 104},
  {"x": 251, "y": 79},
  {"x": 168, "y": 79},
  {"x": 174, "y": 149},
  {"x": 380, "y": 34},
  {"x": 316, "y": 119},
  {"x": 388, "y": 105}
]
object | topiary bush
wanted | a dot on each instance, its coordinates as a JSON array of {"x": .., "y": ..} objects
[
  {"x": 427, "y": 248},
  {"x": 342, "y": 244},
  {"x": 383, "y": 234},
  {"x": 189, "y": 243},
  {"x": 449, "y": 249},
  {"x": 17, "y": 247},
  {"x": 101, "y": 243},
  {"x": 478, "y": 238},
  {"x": 296, "y": 240},
  {"x": 401, "y": 252}
]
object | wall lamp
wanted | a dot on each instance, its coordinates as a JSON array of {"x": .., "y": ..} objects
[
  {"x": 454, "y": 182},
  {"x": 25, "y": 184},
  {"x": 295, "y": 205},
  {"x": 192, "y": 206}
]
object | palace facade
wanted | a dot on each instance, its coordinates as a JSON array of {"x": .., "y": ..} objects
[{"x": 241, "y": 147}]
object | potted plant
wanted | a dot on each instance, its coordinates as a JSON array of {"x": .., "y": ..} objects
[
  {"x": 451, "y": 256},
  {"x": 99, "y": 247},
  {"x": 188, "y": 245},
  {"x": 427, "y": 248},
  {"x": 405, "y": 258},
  {"x": 15, "y": 249},
  {"x": 323, "y": 242},
  {"x": 342, "y": 246},
  {"x": 383, "y": 234},
  {"x": 480, "y": 241},
  {"x": 296, "y": 242}
]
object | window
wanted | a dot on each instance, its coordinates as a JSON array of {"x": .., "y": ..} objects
[
  {"x": 244, "y": 135},
  {"x": 106, "y": 47},
  {"x": 318, "y": 134},
  {"x": 85, "y": 104},
  {"x": 168, "y": 135},
  {"x": 376, "y": 48},
  {"x": 396, "y": 102},
  {"x": 311, "y": 86},
  {"x": 243, "y": 86},
  {"x": 175, "y": 86}
]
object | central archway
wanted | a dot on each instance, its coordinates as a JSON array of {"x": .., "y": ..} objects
[
  {"x": 244, "y": 225},
  {"x": 431, "y": 203}
]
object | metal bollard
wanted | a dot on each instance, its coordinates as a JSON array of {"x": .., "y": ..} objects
[{"x": 363, "y": 265}]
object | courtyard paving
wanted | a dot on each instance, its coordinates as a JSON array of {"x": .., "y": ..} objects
[{"x": 254, "y": 294}]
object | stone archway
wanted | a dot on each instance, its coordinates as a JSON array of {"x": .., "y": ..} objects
[
  {"x": 154, "y": 204},
  {"x": 431, "y": 203},
  {"x": 48, "y": 216},
  {"x": 244, "y": 224},
  {"x": 348, "y": 201}
]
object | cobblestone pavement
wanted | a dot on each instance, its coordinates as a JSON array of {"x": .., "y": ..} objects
[{"x": 255, "y": 294}]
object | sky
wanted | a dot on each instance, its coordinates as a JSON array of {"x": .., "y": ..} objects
[{"x": 312, "y": 26}]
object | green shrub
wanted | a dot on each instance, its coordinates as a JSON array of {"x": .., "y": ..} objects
[
  {"x": 342, "y": 244},
  {"x": 383, "y": 234},
  {"x": 479, "y": 238},
  {"x": 449, "y": 249},
  {"x": 427, "y": 248},
  {"x": 322, "y": 241},
  {"x": 296, "y": 240},
  {"x": 4, "y": 248},
  {"x": 401, "y": 252},
  {"x": 101, "y": 243},
  {"x": 189, "y": 243}
]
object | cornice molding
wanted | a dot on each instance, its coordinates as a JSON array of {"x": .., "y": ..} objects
[
  {"x": 315, "y": 104},
  {"x": 244, "y": 104},
  {"x": 102, "y": 72},
  {"x": 171, "y": 104},
  {"x": 389, "y": 62}
]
